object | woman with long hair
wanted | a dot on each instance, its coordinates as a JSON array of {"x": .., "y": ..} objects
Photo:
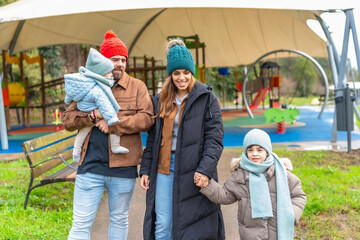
[{"x": 184, "y": 144}]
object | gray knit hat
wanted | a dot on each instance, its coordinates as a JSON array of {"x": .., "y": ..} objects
[
  {"x": 179, "y": 57},
  {"x": 97, "y": 63},
  {"x": 257, "y": 137}
]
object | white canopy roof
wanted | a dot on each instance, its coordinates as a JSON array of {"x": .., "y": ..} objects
[{"x": 234, "y": 32}]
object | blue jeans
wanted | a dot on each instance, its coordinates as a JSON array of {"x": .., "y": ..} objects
[
  {"x": 89, "y": 189},
  {"x": 163, "y": 203}
]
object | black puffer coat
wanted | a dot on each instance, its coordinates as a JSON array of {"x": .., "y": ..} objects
[{"x": 198, "y": 149}]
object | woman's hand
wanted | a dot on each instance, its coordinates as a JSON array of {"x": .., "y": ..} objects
[
  {"x": 201, "y": 180},
  {"x": 144, "y": 181},
  {"x": 103, "y": 126}
]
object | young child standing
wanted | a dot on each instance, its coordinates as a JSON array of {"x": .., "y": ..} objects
[
  {"x": 271, "y": 199},
  {"x": 91, "y": 89}
]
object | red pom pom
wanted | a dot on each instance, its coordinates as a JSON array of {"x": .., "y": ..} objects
[{"x": 110, "y": 34}]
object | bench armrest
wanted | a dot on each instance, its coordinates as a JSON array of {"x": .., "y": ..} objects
[{"x": 67, "y": 164}]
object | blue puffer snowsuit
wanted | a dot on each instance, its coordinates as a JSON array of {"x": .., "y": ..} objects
[{"x": 91, "y": 91}]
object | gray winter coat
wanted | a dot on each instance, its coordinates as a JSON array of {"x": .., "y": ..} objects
[
  {"x": 198, "y": 149},
  {"x": 236, "y": 188}
]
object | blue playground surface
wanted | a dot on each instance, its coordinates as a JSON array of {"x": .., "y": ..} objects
[{"x": 314, "y": 130}]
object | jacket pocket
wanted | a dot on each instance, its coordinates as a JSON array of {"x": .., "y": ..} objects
[
  {"x": 128, "y": 108},
  {"x": 244, "y": 210}
]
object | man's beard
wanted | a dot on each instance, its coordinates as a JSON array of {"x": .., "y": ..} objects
[{"x": 118, "y": 74}]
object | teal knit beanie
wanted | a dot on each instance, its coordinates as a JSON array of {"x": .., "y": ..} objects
[
  {"x": 257, "y": 137},
  {"x": 97, "y": 63},
  {"x": 179, "y": 57}
]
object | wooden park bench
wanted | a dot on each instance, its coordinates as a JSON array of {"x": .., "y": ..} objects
[{"x": 46, "y": 153}]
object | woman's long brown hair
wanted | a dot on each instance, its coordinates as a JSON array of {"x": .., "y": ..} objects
[{"x": 168, "y": 94}]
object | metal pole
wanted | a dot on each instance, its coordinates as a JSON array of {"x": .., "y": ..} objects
[
  {"x": 332, "y": 63},
  {"x": 335, "y": 81},
  {"x": 334, "y": 132},
  {"x": 355, "y": 37},
  {"x": 357, "y": 54},
  {"x": 344, "y": 52},
  {"x": 3, "y": 129},
  {"x": 349, "y": 110},
  {"x": 330, "y": 40}
]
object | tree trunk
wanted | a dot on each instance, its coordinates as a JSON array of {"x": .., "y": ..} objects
[{"x": 73, "y": 57}]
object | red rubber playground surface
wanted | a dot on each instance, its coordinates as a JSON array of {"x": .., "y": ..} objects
[{"x": 308, "y": 128}]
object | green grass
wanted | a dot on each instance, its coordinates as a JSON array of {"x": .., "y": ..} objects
[
  {"x": 49, "y": 211},
  {"x": 331, "y": 181}
]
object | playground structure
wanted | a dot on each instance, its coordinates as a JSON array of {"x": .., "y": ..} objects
[
  {"x": 142, "y": 71},
  {"x": 280, "y": 117},
  {"x": 21, "y": 95},
  {"x": 277, "y": 80},
  {"x": 18, "y": 95},
  {"x": 271, "y": 79},
  {"x": 269, "y": 82}
]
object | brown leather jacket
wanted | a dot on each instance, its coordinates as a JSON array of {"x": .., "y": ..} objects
[{"x": 135, "y": 117}]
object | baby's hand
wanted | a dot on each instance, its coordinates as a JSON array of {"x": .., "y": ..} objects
[
  {"x": 98, "y": 114},
  {"x": 201, "y": 180}
]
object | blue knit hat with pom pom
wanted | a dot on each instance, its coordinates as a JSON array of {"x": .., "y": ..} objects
[{"x": 179, "y": 57}]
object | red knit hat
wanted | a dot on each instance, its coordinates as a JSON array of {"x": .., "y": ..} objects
[{"x": 112, "y": 46}]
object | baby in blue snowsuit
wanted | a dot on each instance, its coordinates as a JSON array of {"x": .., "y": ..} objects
[{"x": 91, "y": 89}]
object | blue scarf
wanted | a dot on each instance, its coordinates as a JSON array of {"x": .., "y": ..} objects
[{"x": 260, "y": 196}]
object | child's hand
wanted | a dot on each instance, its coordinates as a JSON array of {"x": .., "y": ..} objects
[
  {"x": 201, "y": 180},
  {"x": 196, "y": 179}
]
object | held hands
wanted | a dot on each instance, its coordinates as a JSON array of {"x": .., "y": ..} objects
[
  {"x": 201, "y": 180},
  {"x": 144, "y": 181}
]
